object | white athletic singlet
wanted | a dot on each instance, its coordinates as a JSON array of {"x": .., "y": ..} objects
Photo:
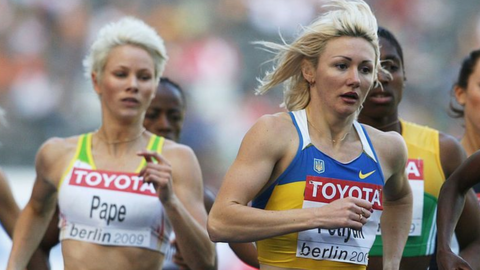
[{"x": 111, "y": 208}]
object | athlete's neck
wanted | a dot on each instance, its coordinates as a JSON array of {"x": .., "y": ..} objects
[
  {"x": 471, "y": 139},
  {"x": 329, "y": 128},
  {"x": 113, "y": 134},
  {"x": 471, "y": 143},
  {"x": 385, "y": 124},
  {"x": 120, "y": 141}
]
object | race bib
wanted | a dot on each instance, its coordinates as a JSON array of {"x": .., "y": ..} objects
[
  {"x": 341, "y": 244},
  {"x": 112, "y": 208},
  {"x": 106, "y": 236}
]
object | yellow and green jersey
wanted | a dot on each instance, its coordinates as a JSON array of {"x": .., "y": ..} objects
[{"x": 426, "y": 176}]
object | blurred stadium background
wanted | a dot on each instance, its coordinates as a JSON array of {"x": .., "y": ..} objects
[{"x": 44, "y": 93}]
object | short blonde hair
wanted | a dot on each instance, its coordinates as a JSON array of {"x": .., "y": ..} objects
[
  {"x": 128, "y": 30},
  {"x": 352, "y": 18}
]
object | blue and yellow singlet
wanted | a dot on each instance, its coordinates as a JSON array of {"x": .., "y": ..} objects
[{"x": 313, "y": 179}]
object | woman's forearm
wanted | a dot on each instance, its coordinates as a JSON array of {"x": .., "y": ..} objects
[
  {"x": 396, "y": 221},
  {"x": 191, "y": 237},
  {"x": 239, "y": 223},
  {"x": 450, "y": 205},
  {"x": 30, "y": 228}
]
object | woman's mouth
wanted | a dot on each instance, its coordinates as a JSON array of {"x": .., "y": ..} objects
[
  {"x": 350, "y": 97},
  {"x": 130, "y": 101},
  {"x": 380, "y": 98}
]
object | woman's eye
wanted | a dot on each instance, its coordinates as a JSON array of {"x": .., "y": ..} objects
[
  {"x": 175, "y": 117},
  {"x": 341, "y": 66},
  {"x": 389, "y": 66},
  {"x": 120, "y": 74},
  {"x": 151, "y": 115},
  {"x": 145, "y": 77},
  {"x": 366, "y": 70},
  {"x": 393, "y": 68}
]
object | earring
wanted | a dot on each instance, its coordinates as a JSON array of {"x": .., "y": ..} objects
[{"x": 311, "y": 83}]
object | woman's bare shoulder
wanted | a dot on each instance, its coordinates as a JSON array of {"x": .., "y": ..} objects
[
  {"x": 277, "y": 120},
  {"x": 270, "y": 126},
  {"x": 390, "y": 146},
  {"x": 54, "y": 155},
  {"x": 176, "y": 150},
  {"x": 57, "y": 147}
]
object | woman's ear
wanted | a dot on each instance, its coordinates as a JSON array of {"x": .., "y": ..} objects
[
  {"x": 96, "y": 83},
  {"x": 308, "y": 71},
  {"x": 460, "y": 95}
]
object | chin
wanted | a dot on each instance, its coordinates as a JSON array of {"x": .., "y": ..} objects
[
  {"x": 347, "y": 112},
  {"x": 131, "y": 114},
  {"x": 129, "y": 118}
]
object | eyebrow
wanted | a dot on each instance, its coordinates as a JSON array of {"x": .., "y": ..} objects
[
  {"x": 123, "y": 66},
  {"x": 350, "y": 59},
  {"x": 391, "y": 57}
]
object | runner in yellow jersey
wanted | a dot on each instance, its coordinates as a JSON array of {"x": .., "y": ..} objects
[{"x": 432, "y": 156}]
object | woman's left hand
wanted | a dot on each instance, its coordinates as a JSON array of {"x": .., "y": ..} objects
[
  {"x": 449, "y": 260},
  {"x": 159, "y": 174}
]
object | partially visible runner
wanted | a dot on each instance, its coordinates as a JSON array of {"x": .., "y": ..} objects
[
  {"x": 316, "y": 176},
  {"x": 432, "y": 157},
  {"x": 121, "y": 190},
  {"x": 9, "y": 212},
  {"x": 467, "y": 94},
  {"x": 165, "y": 117},
  {"x": 166, "y": 113},
  {"x": 452, "y": 199}
]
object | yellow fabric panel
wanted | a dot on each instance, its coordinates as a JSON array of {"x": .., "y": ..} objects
[
  {"x": 423, "y": 142},
  {"x": 287, "y": 196}
]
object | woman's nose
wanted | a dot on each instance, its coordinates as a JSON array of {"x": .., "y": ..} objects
[
  {"x": 354, "y": 78},
  {"x": 384, "y": 76},
  {"x": 133, "y": 83}
]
